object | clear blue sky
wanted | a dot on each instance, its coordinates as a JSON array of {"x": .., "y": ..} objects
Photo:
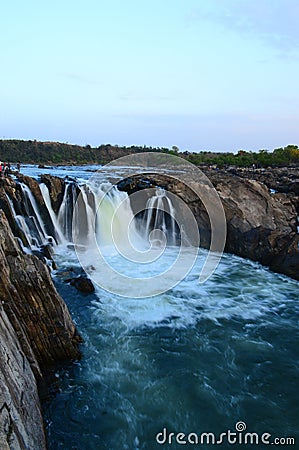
[{"x": 217, "y": 75}]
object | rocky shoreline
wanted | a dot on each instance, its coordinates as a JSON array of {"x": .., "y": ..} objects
[
  {"x": 36, "y": 330},
  {"x": 36, "y": 333},
  {"x": 261, "y": 223}
]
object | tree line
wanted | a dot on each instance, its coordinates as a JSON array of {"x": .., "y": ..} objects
[{"x": 36, "y": 152}]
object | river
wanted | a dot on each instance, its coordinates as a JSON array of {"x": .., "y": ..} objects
[{"x": 217, "y": 357}]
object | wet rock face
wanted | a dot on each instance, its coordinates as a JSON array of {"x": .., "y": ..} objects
[
  {"x": 33, "y": 305},
  {"x": 36, "y": 332},
  {"x": 260, "y": 226},
  {"x": 83, "y": 284},
  {"x": 9, "y": 190},
  {"x": 21, "y": 424},
  {"x": 34, "y": 188},
  {"x": 13, "y": 201}
]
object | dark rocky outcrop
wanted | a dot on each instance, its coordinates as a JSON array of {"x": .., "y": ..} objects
[
  {"x": 11, "y": 198},
  {"x": 261, "y": 225},
  {"x": 280, "y": 179},
  {"x": 83, "y": 284}
]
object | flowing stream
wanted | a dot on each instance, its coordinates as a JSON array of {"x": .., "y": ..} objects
[{"x": 198, "y": 358}]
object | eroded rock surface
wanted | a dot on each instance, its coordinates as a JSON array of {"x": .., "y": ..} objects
[
  {"x": 36, "y": 332},
  {"x": 21, "y": 424},
  {"x": 261, "y": 225},
  {"x": 32, "y": 303}
]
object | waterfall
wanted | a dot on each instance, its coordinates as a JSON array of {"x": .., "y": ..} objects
[
  {"x": 159, "y": 215},
  {"x": 115, "y": 220},
  {"x": 103, "y": 217},
  {"x": 62, "y": 221},
  {"x": 30, "y": 223},
  {"x": 34, "y": 215},
  {"x": 83, "y": 225},
  {"x": 66, "y": 210},
  {"x": 23, "y": 227},
  {"x": 46, "y": 196},
  {"x": 97, "y": 215}
]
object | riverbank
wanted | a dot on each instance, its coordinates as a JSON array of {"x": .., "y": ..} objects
[{"x": 36, "y": 333}]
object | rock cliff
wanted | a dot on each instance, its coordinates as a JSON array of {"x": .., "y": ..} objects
[
  {"x": 36, "y": 332},
  {"x": 21, "y": 424},
  {"x": 261, "y": 225}
]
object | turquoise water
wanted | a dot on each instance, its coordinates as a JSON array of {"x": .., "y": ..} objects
[{"x": 199, "y": 358}]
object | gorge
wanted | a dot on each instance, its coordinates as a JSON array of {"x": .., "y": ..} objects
[{"x": 36, "y": 328}]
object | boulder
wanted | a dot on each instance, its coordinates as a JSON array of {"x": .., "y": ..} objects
[{"x": 83, "y": 284}]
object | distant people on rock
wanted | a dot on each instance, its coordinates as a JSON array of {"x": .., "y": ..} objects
[
  {"x": 6, "y": 169},
  {"x": 18, "y": 166}
]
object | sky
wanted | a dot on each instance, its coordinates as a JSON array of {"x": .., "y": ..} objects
[{"x": 218, "y": 75}]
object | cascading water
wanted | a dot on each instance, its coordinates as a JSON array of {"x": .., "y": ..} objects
[
  {"x": 84, "y": 217},
  {"x": 46, "y": 196},
  {"x": 115, "y": 224},
  {"x": 66, "y": 210},
  {"x": 79, "y": 202},
  {"x": 36, "y": 224},
  {"x": 102, "y": 212},
  {"x": 105, "y": 212},
  {"x": 159, "y": 215},
  {"x": 23, "y": 227},
  {"x": 31, "y": 223},
  {"x": 96, "y": 220}
]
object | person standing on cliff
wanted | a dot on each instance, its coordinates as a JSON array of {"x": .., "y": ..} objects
[
  {"x": 6, "y": 169},
  {"x": 1, "y": 172}
]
